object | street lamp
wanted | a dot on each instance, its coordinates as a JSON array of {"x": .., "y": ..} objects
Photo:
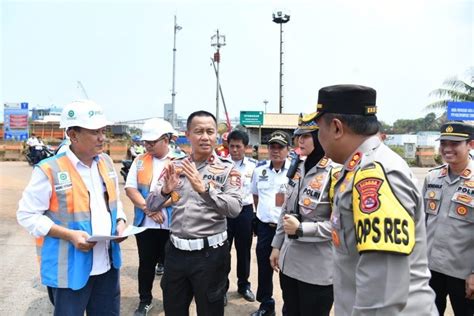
[
  {"x": 217, "y": 41},
  {"x": 281, "y": 18},
  {"x": 173, "y": 92},
  {"x": 265, "y": 102}
]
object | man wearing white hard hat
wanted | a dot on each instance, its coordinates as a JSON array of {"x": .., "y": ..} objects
[
  {"x": 143, "y": 174},
  {"x": 70, "y": 197}
]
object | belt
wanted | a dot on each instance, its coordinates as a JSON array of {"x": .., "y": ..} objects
[{"x": 199, "y": 243}]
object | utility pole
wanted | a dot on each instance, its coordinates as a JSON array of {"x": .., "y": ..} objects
[
  {"x": 265, "y": 102},
  {"x": 173, "y": 91},
  {"x": 83, "y": 90},
  {"x": 281, "y": 18},
  {"x": 217, "y": 40}
]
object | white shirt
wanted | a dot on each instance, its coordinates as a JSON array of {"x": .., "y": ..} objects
[
  {"x": 35, "y": 202},
  {"x": 246, "y": 167},
  {"x": 266, "y": 183},
  {"x": 158, "y": 165},
  {"x": 32, "y": 141}
]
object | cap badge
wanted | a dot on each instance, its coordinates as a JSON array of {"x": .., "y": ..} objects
[{"x": 449, "y": 129}]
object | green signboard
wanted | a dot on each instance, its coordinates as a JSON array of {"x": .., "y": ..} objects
[{"x": 251, "y": 117}]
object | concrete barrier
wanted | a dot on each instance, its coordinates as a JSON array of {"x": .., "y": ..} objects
[{"x": 425, "y": 156}]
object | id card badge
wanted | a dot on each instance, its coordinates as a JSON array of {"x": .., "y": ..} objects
[{"x": 279, "y": 199}]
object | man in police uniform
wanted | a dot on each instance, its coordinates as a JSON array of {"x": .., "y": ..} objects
[
  {"x": 448, "y": 191},
  {"x": 204, "y": 189},
  {"x": 70, "y": 197},
  {"x": 143, "y": 175},
  {"x": 269, "y": 183},
  {"x": 240, "y": 228},
  {"x": 378, "y": 227}
]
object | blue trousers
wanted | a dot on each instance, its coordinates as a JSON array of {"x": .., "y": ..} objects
[
  {"x": 240, "y": 230},
  {"x": 100, "y": 296},
  {"x": 265, "y": 233}
]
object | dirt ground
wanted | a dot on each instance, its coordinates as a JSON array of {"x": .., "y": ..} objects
[{"x": 21, "y": 292}]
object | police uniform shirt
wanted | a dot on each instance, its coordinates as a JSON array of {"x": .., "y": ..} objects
[
  {"x": 158, "y": 165},
  {"x": 308, "y": 258},
  {"x": 266, "y": 183},
  {"x": 379, "y": 237},
  {"x": 246, "y": 167},
  {"x": 36, "y": 198},
  {"x": 449, "y": 207},
  {"x": 200, "y": 215}
]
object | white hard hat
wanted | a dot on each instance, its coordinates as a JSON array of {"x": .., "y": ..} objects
[
  {"x": 155, "y": 128},
  {"x": 83, "y": 113}
]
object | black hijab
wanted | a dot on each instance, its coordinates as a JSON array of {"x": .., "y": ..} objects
[{"x": 315, "y": 156}]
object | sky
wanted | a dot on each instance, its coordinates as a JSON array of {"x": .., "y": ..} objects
[{"x": 121, "y": 51}]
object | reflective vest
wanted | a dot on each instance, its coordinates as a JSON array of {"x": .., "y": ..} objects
[
  {"x": 63, "y": 265},
  {"x": 144, "y": 166}
]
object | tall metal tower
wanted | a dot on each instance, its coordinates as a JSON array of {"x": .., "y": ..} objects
[
  {"x": 281, "y": 18},
  {"x": 173, "y": 91},
  {"x": 217, "y": 41}
]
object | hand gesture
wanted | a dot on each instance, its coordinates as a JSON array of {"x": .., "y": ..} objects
[
  {"x": 274, "y": 256},
  {"x": 170, "y": 178},
  {"x": 290, "y": 224},
  {"x": 79, "y": 239},
  {"x": 191, "y": 172},
  {"x": 120, "y": 228}
]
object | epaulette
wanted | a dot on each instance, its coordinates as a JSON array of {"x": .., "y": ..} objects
[
  {"x": 225, "y": 159},
  {"x": 261, "y": 163},
  {"x": 253, "y": 160},
  {"x": 438, "y": 167}
]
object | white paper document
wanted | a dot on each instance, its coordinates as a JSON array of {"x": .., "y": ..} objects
[{"x": 129, "y": 231}]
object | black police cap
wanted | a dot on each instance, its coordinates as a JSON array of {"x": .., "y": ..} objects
[
  {"x": 347, "y": 99},
  {"x": 280, "y": 137},
  {"x": 456, "y": 131}
]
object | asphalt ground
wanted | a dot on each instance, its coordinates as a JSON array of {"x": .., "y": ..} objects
[{"x": 21, "y": 292}]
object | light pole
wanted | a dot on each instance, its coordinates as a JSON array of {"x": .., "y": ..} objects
[
  {"x": 265, "y": 102},
  {"x": 281, "y": 18},
  {"x": 217, "y": 41},
  {"x": 173, "y": 92}
]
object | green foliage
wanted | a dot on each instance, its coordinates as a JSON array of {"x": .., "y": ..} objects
[
  {"x": 454, "y": 89},
  {"x": 404, "y": 126},
  {"x": 398, "y": 149}
]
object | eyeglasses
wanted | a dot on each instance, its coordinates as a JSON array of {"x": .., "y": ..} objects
[{"x": 153, "y": 142}]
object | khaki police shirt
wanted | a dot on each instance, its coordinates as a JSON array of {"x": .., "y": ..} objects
[
  {"x": 197, "y": 215},
  {"x": 308, "y": 258},
  {"x": 378, "y": 282},
  {"x": 449, "y": 207}
]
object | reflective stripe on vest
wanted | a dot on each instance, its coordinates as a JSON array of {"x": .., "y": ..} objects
[
  {"x": 144, "y": 177},
  {"x": 62, "y": 265}
]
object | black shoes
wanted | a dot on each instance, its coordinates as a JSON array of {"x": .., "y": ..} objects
[
  {"x": 143, "y": 309},
  {"x": 263, "y": 312},
  {"x": 160, "y": 269},
  {"x": 247, "y": 295}
]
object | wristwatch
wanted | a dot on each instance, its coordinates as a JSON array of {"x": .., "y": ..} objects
[
  {"x": 207, "y": 186},
  {"x": 299, "y": 230},
  {"x": 121, "y": 219}
]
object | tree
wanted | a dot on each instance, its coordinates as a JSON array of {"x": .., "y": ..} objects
[{"x": 454, "y": 89}]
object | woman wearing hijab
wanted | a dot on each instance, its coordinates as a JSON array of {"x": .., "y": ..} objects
[{"x": 302, "y": 246}]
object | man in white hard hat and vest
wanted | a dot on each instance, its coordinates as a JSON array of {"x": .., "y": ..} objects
[
  {"x": 70, "y": 197},
  {"x": 143, "y": 175}
]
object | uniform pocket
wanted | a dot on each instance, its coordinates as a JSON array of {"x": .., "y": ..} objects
[
  {"x": 432, "y": 201},
  {"x": 462, "y": 207}
]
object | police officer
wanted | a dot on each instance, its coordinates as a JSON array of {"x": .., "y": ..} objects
[
  {"x": 143, "y": 175},
  {"x": 240, "y": 228},
  {"x": 269, "y": 184},
  {"x": 448, "y": 191},
  {"x": 377, "y": 221},
  {"x": 70, "y": 197},
  {"x": 204, "y": 189},
  {"x": 302, "y": 247}
]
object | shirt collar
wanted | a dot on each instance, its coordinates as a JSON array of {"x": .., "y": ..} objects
[
  {"x": 282, "y": 167},
  {"x": 75, "y": 161}
]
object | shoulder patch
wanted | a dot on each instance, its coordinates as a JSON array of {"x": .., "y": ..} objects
[
  {"x": 261, "y": 163},
  {"x": 381, "y": 221},
  {"x": 437, "y": 167}
]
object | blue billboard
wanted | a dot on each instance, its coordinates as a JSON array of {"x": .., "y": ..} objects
[
  {"x": 15, "y": 121},
  {"x": 461, "y": 111}
]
